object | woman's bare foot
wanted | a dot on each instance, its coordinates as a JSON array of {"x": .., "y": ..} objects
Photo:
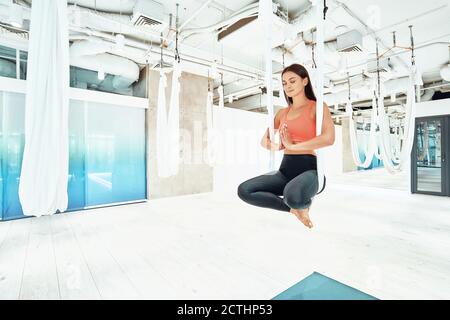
[{"x": 303, "y": 216}]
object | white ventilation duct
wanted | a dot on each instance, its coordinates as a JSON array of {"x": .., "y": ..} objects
[
  {"x": 115, "y": 6},
  {"x": 127, "y": 51},
  {"x": 109, "y": 22},
  {"x": 340, "y": 96},
  {"x": 302, "y": 53},
  {"x": 248, "y": 11},
  {"x": 305, "y": 22},
  {"x": 445, "y": 72},
  {"x": 93, "y": 56}
]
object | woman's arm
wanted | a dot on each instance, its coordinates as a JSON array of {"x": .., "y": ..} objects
[{"x": 326, "y": 138}]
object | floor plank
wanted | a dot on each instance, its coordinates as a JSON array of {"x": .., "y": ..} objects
[
  {"x": 386, "y": 242},
  {"x": 75, "y": 278},
  {"x": 109, "y": 278},
  {"x": 40, "y": 279},
  {"x": 12, "y": 257}
]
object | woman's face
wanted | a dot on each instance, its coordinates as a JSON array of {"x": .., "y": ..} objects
[{"x": 293, "y": 84}]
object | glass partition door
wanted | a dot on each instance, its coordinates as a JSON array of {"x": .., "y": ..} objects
[{"x": 429, "y": 151}]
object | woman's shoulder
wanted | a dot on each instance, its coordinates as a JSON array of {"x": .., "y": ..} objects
[
  {"x": 282, "y": 111},
  {"x": 314, "y": 103}
]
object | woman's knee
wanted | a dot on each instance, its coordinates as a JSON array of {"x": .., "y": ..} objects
[
  {"x": 243, "y": 190},
  {"x": 296, "y": 201},
  {"x": 298, "y": 194}
]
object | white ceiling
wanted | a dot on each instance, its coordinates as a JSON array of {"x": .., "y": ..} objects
[{"x": 430, "y": 20}]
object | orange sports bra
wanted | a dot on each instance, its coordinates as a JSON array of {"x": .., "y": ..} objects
[{"x": 301, "y": 128}]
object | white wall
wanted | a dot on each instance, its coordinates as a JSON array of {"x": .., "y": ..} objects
[
  {"x": 432, "y": 108},
  {"x": 241, "y": 157},
  {"x": 333, "y": 154}
]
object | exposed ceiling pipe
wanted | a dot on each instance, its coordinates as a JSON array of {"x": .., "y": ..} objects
[
  {"x": 93, "y": 56},
  {"x": 104, "y": 35},
  {"x": 152, "y": 53},
  {"x": 400, "y": 100},
  {"x": 421, "y": 15},
  {"x": 134, "y": 54},
  {"x": 124, "y": 6},
  {"x": 304, "y": 22},
  {"x": 372, "y": 34},
  {"x": 196, "y": 12},
  {"x": 109, "y": 22},
  {"x": 420, "y": 46},
  {"x": 340, "y": 96},
  {"x": 247, "y": 11}
]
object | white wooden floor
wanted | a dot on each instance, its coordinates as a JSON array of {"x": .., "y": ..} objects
[{"x": 387, "y": 243}]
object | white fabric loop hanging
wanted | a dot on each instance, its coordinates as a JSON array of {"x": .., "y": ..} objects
[
  {"x": 161, "y": 129},
  {"x": 45, "y": 165},
  {"x": 168, "y": 127},
  {"x": 174, "y": 121},
  {"x": 221, "y": 102},
  {"x": 372, "y": 144},
  {"x": 391, "y": 163},
  {"x": 211, "y": 131}
]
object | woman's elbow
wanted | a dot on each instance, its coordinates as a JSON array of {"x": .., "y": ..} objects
[{"x": 330, "y": 139}]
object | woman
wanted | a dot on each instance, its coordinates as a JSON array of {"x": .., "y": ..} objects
[{"x": 296, "y": 179}]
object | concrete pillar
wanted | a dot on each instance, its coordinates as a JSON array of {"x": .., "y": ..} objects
[{"x": 194, "y": 176}]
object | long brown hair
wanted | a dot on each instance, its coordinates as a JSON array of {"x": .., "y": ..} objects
[{"x": 302, "y": 73}]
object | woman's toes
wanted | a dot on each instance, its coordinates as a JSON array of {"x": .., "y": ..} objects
[{"x": 303, "y": 216}]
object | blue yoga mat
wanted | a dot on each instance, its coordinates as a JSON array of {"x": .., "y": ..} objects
[{"x": 320, "y": 287}]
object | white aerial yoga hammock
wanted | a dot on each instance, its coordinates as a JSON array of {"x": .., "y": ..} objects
[
  {"x": 174, "y": 120},
  {"x": 161, "y": 129},
  {"x": 372, "y": 143},
  {"x": 382, "y": 139},
  {"x": 391, "y": 163},
  {"x": 221, "y": 102},
  {"x": 168, "y": 128},
  {"x": 45, "y": 165},
  {"x": 210, "y": 130}
]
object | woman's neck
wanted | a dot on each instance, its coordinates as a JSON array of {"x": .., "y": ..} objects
[{"x": 299, "y": 101}]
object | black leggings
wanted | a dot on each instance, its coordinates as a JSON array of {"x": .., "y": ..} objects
[{"x": 296, "y": 180}]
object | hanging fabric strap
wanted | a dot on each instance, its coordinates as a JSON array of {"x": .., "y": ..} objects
[
  {"x": 45, "y": 164},
  {"x": 161, "y": 129},
  {"x": 265, "y": 15},
  {"x": 320, "y": 18},
  {"x": 372, "y": 143},
  {"x": 391, "y": 163},
  {"x": 211, "y": 130},
  {"x": 174, "y": 120}
]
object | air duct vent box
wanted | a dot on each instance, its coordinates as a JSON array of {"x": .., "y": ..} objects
[
  {"x": 384, "y": 66},
  {"x": 148, "y": 14},
  {"x": 350, "y": 41}
]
